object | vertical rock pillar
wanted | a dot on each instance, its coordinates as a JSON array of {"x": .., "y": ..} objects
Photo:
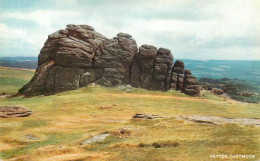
[
  {"x": 162, "y": 70},
  {"x": 142, "y": 68},
  {"x": 177, "y": 76},
  {"x": 190, "y": 84}
]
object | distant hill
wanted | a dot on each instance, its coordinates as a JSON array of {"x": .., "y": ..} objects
[
  {"x": 217, "y": 69},
  {"x": 19, "y": 62}
]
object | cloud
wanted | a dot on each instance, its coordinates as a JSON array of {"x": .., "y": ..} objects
[
  {"x": 191, "y": 29},
  {"x": 43, "y": 18},
  {"x": 34, "y": 37},
  {"x": 8, "y": 33}
]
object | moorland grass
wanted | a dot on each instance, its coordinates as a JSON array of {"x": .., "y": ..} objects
[
  {"x": 11, "y": 80},
  {"x": 71, "y": 117}
]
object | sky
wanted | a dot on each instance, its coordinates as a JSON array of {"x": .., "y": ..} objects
[{"x": 191, "y": 29}]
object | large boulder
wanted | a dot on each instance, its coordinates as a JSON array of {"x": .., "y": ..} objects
[
  {"x": 78, "y": 55},
  {"x": 73, "y": 47}
]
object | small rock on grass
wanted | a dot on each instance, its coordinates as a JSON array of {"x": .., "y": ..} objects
[
  {"x": 145, "y": 116},
  {"x": 96, "y": 138},
  {"x": 14, "y": 111}
]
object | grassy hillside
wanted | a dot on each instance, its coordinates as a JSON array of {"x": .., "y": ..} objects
[
  {"x": 12, "y": 79},
  {"x": 60, "y": 122}
]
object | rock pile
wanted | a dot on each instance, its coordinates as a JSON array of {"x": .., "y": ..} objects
[{"x": 78, "y": 55}]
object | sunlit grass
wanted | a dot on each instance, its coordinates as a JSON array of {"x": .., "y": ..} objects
[
  {"x": 12, "y": 80},
  {"x": 66, "y": 119}
]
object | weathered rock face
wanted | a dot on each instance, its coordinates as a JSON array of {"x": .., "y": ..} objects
[
  {"x": 183, "y": 80},
  {"x": 162, "y": 70},
  {"x": 115, "y": 57},
  {"x": 190, "y": 84},
  {"x": 78, "y": 55},
  {"x": 152, "y": 68},
  {"x": 177, "y": 75},
  {"x": 143, "y": 66}
]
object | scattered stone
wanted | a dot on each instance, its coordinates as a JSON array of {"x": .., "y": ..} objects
[
  {"x": 122, "y": 132},
  {"x": 127, "y": 88},
  {"x": 156, "y": 145},
  {"x": 14, "y": 111},
  {"x": 225, "y": 96},
  {"x": 217, "y": 91},
  {"x": 125, "y": 132},
  {"x": 122, "y": 88},
  {"x": 96, "y": 138},
  {"x": 145, "y": 116},
  {"x": 2, "y": 95},
  {"x": 31, "y": 137}
]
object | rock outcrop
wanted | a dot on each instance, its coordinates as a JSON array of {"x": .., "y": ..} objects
[{"x": 78, "y": 55}]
